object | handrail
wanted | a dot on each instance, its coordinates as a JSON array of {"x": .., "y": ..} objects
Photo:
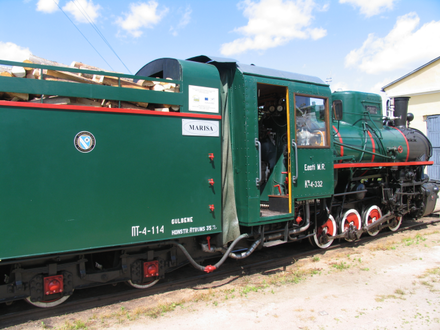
[
  {"x": 295, "y": 146},
  {"x": 258, "y": 145}
]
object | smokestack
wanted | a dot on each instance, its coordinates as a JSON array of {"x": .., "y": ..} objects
[{"x": 400, "y": 111}]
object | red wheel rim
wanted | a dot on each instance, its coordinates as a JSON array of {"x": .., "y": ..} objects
[
  {"x": 328, "y": 227},
  {"x": 352, "y": 218},
  {"x": 373, "y": 216}
]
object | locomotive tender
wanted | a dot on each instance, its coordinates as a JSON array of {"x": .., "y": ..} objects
[{"x": 243, "y": 157}]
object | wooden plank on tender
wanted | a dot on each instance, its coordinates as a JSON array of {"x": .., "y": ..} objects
[
  {"x": 125, "y": 105},
  {"x": 68, "y": 76},
  {"x": 17, "y": 96},
  {"x": 18, "y": 71},
  {"x": 130, "y": 105},
  {"x": 142, "y": 104},
  {"x": 86, "y": 102},
  {"x": 113, "y": 81},
  {"x": 28, "y": 70},
  {"x": 39, "y": 60},
  {"x": 145, "y": 83},
  {"x": 34, "y": 74},
  {"x": 53, "y": 100},
  {"x": 164, "y": 86},
  {"x": 83, "y": 66}
]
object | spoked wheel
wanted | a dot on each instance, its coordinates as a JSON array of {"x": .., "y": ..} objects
[
  {"x": 47, "y": 303},
  {"x": 394, "y": 224},
  {"x": 350, "y": 217},
  {"x": 145, "y": 285},
  {"x": 328, "y": 228},
  {"x": 372, "y": 214}
]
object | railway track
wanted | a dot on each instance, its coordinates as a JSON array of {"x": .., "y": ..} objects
[{"x": 265, "y": 260}]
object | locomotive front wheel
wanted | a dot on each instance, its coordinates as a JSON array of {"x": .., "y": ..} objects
[
  {"x": 395, "y": 223},
  {"x": 350, "y": 217},
  {"x": 372, "y": 214},
  {"x": 329, "y": 228},
  {"x": 47, "y": 303},
  {"x": 143, "y": 285}
]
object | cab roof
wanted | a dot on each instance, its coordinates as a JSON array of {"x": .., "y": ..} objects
[{"x": 258, "y": 71}]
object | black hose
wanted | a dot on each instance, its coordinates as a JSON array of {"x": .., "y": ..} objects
[
  {"x": 248, "y": 252},
  {"x": 210, "y": 268}
]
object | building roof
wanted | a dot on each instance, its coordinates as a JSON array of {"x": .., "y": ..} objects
[{"x": 408, "y": 74}]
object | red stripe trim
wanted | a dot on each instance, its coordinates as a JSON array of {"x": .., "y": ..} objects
[
  {"x": 110, "y": 110},
  {"x": 407, "y": 144},
  {"x": 340, "y": 141},
  {"x": 348, "y": 165},
  {"x": 373, "y": 144}
]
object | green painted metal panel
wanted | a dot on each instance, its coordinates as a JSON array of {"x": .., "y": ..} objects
[
  {"x": 245, "y": 130},
  {"x": 144, "y": 181},
  {"x": 360, "y": 135},
  {"x": 313, "y": 165},
  {"x": 359, "y": 107},
  {"x": 315, "y": 174}
]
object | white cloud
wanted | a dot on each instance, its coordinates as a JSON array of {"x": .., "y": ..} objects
[
  {"x": 371, "y": 7},
  {"x": 12, "y": 52},
  {"x": 47, "y": 6},
  {"x": 83, "y": 10},
  {"x": 377, "y": 87},
  {"x": 142, "y": 15},
  {"x": 184, "y": 21},
  {"x": 402, "y": 48},
  {"x": 273, "y": 23},
  {"x": 339, "y": 86}
]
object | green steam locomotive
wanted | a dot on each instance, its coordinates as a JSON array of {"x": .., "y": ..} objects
[{"x": 108, "y": 177}]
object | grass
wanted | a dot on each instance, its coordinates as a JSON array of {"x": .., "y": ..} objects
[
  {"x": 430, "y": 276},
  {"x": 384, "y": 246},
  {"x": 341, "y": 265},
  {"x": 407, "y": 241},
  {"x": 432, "y": 271},
  {"x": 77, "y": 324},
  {"x": 399, "y": 294}
]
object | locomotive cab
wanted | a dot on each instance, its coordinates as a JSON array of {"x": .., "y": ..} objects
[{"x": 281, "y": 147}]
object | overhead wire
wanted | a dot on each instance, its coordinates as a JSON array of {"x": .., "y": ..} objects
[
  {"x": 84, "y": 13},
  {"x": 83, "y": 35}
]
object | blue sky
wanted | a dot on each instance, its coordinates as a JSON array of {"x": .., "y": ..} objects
[{"x": 361, "y": 44}]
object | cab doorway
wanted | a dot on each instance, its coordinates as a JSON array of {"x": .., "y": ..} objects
[{"x": 273, "y": 137}]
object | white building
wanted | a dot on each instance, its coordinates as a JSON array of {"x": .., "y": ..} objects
[{"x": 423, "y": 87}]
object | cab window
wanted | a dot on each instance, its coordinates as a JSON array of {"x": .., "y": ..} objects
[{"x": 311, "y": 121}]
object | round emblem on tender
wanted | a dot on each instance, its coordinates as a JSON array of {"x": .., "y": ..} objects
[{"x": 84, "y": 141}]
